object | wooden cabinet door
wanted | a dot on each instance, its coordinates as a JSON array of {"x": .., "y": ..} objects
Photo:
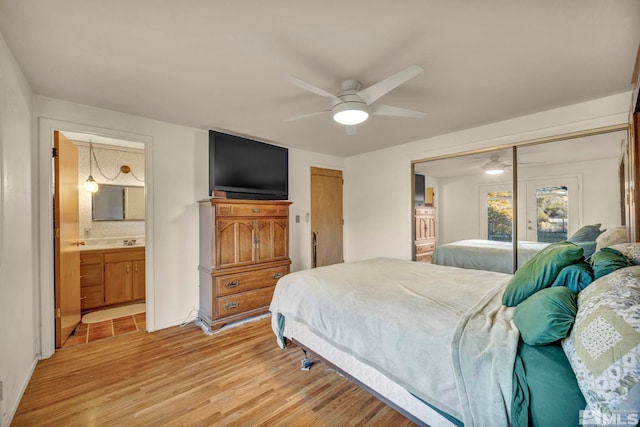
[
  {"x": 236, "y": 243},
  {"x": 431, "y": 227},
  {"x": 422, "y": 227},
  {"x": 272, "y": 239},
  {"x": 137, "y": 280},
  {"x": 117, "y": 282}
]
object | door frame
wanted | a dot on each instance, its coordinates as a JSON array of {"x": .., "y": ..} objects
[{"x": 46, "y": 294}]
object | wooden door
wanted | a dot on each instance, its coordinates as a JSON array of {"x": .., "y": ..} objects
[
  {"x": 66, "y": 214},
  {"x": 138, "y": 283},
  {"x": 326, "y": 217},
  {"x": 117, "y": 282}
]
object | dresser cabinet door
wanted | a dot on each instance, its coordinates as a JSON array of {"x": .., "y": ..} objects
[
  {"x": 272, "y": 239},
  {"x": 236, "y": 243}
]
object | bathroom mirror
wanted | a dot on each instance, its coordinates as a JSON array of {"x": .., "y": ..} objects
[{"x": 118, "y": 203}]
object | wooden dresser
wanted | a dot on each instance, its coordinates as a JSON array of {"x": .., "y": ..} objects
[
  {"x": 425, "y": 218},
  {"x": 244, "y": 250}
]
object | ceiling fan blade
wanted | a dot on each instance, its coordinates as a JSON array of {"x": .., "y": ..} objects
[
  {"x": 379, "y": 89},
  {"x": 311, "y": 88},
  {"x": 389, "y": 110},
  {"x": 304, "y": 116}
]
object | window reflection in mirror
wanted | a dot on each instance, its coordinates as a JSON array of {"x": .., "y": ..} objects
[{"x": 118, "y": 203}]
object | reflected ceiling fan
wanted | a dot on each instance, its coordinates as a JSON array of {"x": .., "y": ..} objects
[
  {"x": 495, "y": 166},
  {"x": 353, "y": 105}
]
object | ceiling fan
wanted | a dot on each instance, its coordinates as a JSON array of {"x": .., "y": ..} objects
[
  {"x": 353, "y": 105},
  {"x": 495, "y": 166}
]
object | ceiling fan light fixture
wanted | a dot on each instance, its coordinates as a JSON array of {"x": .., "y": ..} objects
[
  {"x": 494, "y": 171},
  {"x": 350, "y": 113}
]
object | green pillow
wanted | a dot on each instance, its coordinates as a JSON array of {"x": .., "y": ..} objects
[
  {"x": 607, "y": 260},
  {"x": 546, "y": 316},
  {"x": 540, "y": 271},
  {"x": 576, "y": 276},
  {"x": 588, "y": 233}
]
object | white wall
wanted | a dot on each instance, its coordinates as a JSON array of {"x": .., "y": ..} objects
[
  {"x": 378, "y": 184},
  {"x": 18, "y": 255}
]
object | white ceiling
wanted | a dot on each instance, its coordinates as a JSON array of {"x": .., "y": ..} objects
[{"x": 224, "y": 65}]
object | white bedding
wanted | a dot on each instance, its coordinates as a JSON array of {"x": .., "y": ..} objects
[
  {"x": 439, "y": 332},
  {"x": 484, "y": 254}
]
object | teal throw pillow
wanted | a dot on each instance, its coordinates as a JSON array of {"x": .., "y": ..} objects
[
  {"x": 546, "y": 316},
  {"x": 607, "y": 260},
  {"x": 576, "y": 277},
  {"x": 588, "y": 233},
  {"x": 540, "y": 271}
]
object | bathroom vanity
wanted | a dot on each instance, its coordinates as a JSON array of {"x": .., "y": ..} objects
[{"x": 111, "y": 275}]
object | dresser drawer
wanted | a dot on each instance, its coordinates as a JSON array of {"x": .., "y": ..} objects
[
  {"x": 239, "y": 303},
  {"x": 87, "y": 258},
  {"x": 91, "y": 274},
  {"x": 425, "y": 247},
  {"x": 424, "y": 257},
  {"x": 254, "y": 210},
  {"x": 241, "y": 282}
]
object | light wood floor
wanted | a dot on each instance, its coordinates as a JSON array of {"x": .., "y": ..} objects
[{"x": 182, "y": 377}]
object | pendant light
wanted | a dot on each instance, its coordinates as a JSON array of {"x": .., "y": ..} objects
[{"x": 90, "y": 184}]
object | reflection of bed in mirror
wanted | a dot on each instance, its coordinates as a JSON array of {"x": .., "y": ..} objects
[
  {"x": 494, "y": 255},
  {"x": 487, "y": 255}
]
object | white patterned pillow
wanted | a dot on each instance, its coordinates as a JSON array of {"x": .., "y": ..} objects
[
  {"x": 612, "y": 237},
  {"x": 630, "y": 250},
  {"x": 604, "y": 344}
]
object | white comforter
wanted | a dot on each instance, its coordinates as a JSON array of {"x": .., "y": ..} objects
[{"x": 440, "y": 332}]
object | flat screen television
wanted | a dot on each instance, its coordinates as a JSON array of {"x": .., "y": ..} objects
[{"x": 247, "y": 169}]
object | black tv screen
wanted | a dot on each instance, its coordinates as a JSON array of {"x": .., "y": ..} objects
[{"x": 247, "y": 169}]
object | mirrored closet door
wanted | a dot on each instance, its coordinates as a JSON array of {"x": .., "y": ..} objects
[{"x": 562, "y": 185}]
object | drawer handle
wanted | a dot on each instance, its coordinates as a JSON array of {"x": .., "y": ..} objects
[
  {"x": 233, "y": 284},
  {"x": 256, "y": 210},
  {"x": 83, "y": 276},
  {"x": 277, "y": 275},
  {"x": 231, "y": 305}
]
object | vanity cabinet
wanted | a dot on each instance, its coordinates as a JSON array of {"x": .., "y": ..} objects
[
  {"x": 244, "y": 250},
  {"x": 425, "y": 224},
  {"x": 111, "y": 276},
  {"x": 91, "y": 280}
]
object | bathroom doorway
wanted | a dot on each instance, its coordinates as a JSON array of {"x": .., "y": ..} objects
[{"x": 111, "y": 230}]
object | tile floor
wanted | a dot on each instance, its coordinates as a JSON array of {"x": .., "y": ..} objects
[{"x": 88, "y": 332}]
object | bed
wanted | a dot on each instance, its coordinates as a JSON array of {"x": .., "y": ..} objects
[
  {"x": 445, "y": 351},
  {"x": 484, "y": 254}
]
